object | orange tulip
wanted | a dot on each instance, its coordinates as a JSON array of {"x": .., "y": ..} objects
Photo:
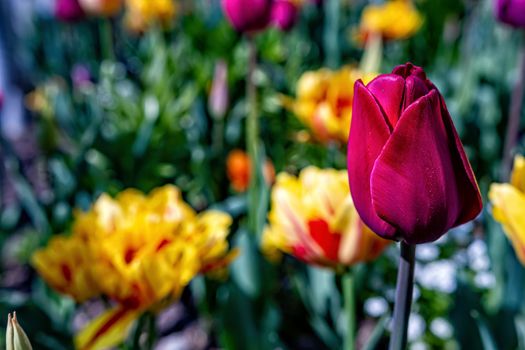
[{"x": 238, "y": 167}]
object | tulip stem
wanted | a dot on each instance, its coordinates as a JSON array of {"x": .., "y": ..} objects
[
  {"x": 349, "y": 300},
  {"x": 106, "y": 39},
  {"x": 513, "y": 125},
  {"x": 252, "y": 137},
  {"x": 405, "y": 285}
]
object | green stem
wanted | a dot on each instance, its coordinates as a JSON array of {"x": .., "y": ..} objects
[
  {"x": 349, "y": 300},
  {"x": 106, "y": 39},
  {"x": 513, "y": 126},
  {"x": 252, "y": 137},
  {"x": 404, "y": 288},
  {"x": 332, "y": 9},
  {"x": 151, "y": 331}
]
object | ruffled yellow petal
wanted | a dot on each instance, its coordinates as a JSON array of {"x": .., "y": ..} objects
[
  {"x": 64, "y": 265},
  {"x": 509, "y": 209},
  {"x": 107, "y": 330}
]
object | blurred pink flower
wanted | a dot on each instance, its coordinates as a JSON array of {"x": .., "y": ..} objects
[
  {"x": 247, "y": 16},
  {"x": 68, "y": 10},
  {"x": 511, "y": 12},
  {"x": 284, "y": 14},
  {"x": 219, "y": 94},
  {"x": 80, "y": 75}
]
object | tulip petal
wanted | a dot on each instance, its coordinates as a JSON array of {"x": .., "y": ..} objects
[
  {"x": 415, "y": 88},
  {"x": 508, "y": 206},
  {"x": 471, "y": 202},
  {"x": 327, "y": 240},
  {"x": 107, "y": 330},
  {"x": 368, "y": 134},
  {"x": 389, "y": 89},
  {"x": 419, "y": 161}
]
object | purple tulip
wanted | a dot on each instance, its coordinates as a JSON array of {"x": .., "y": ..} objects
[
  {"x": 409, "y": 176},
  {"x": 284, "y": 14},
  {"x": 80, "y": 76},
  {"x": 511, "y": 12},
  {"x": 68, "y": 10},
  {"x": 247, "y": 16}
]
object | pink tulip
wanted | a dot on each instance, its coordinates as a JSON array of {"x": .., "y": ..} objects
[
  {"x": 68, "y": 10},
  {"x": 247, "y": 16},
  {"x": 409, "y": 176},
  {"x": 284, "y": 14},
  {"x": 219, "y": 94},
  {"x": 511, "y": 12}
]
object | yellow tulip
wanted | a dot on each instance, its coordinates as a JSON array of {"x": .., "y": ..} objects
[
  {"x": 508, "y": 207},
  {"x": 313, "y": 218},
  {"x": 394, "y": 20},
  {"x": 142, "y": 14},
  {"x": 324, "y": 101},
  {"x": 139, "y": 250}
]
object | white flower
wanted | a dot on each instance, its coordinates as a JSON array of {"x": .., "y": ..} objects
[
  {"x": 376, "y": 306},
  {"x": 439, "y": 275},
  {"x": 441, "y": 328},
  {"x": 416, "y": 327}
]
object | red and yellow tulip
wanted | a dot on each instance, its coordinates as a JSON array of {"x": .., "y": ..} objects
[
  {"x": 313, "y": 218},
  {"x": 138, "y": 250},
  {"x": 324, "y": 101}
]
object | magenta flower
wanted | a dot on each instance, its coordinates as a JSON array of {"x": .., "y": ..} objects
[
  {"x": 247, "y": 16},
  {"x": 511, "y": 12},
  {"x": 409, "y": 176},
  {"x": 284, "y": 14},
  {"x": 68, "y": 10}
]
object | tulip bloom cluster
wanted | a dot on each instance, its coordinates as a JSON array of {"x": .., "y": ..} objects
[
  {"x": 313, "y": 218},
  {"x": 324, "y": 101},
  {"x": 508, "y": 207},
  {"x": 393, "y": 20},
  {"x": 139, "y": 251},
  {"x": 255, "y": 15},
  {"x": 409, "y": 175}
]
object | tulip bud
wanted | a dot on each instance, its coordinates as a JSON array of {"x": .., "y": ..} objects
[
  {"x": 284, "y": 14},
  {"x": 218, "y": 99},
  {"x": 16, "y": 338},
  {"x": 247, "y": 16},
  {"x": 68, "y": 10},
  {"x": 511, "y": 12},
  {"x": 409, "y": 176},
  {"x": 103, "y": 8}
]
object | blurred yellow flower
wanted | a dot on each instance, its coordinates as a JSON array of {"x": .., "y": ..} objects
[
  {"x": 395, "y": 19},
  {"x": 140, "y": 251},
  {"x": 141, "y": 14},
  {"x": 313, "y": 218},
  {"x": 508, "y": 207},
  {"x": 324, "y": 101}
]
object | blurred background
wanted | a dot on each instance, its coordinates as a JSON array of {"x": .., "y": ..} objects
[{"x": 101, "y": 96}]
